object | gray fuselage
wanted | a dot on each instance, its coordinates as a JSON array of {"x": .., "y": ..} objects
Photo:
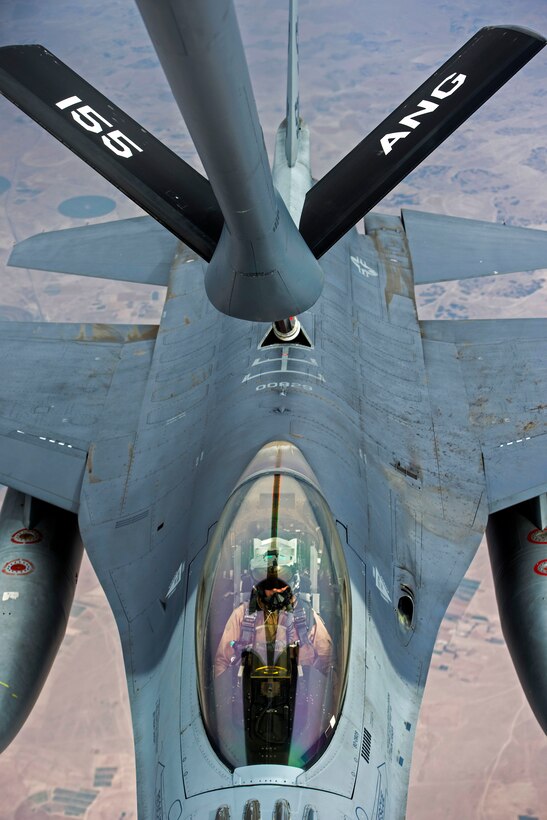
[{"x": 357, "y": 405}]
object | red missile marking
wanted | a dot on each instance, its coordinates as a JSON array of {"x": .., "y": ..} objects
[
  {"x": 537, "y": 537},
  {"x": 541, "y": 567},
  {"x": 19, "y": 566},
  {"x": 25, "y": 536}
]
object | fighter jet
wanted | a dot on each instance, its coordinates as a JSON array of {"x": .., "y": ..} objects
[{"x": 281, "y": 486}]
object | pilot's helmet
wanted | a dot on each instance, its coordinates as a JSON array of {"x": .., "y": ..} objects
[
  {"x": 274, "y": 572},
  {"x": 272, "y": 593}
]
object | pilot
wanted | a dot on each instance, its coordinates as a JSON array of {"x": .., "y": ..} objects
[{"x": 273, "y": 619}]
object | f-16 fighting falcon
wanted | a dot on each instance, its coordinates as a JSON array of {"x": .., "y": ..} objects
[{"x": 282, "y": 484}]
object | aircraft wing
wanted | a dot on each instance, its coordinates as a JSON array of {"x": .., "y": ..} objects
[
  {"x": 126, "y": 250},
  {"x": 58, "y": 381},
  {"x": 503, "y": 363},
  {"x": 449, "y": 247}
]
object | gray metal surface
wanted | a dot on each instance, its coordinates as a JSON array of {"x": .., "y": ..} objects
[
  {"x": 375, "y": 451},
  {"x": 59, "y": 382},
  {"x": 293, "y": 108},
  {"x": 262, "y": 269},
  {"x": 502, "y": 365},
  {"x": 130, "y": 250},
  {"x": 449, "y": 247}
]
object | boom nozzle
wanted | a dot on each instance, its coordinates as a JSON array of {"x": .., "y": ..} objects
[
  {"x": 262, "y": 268},
  {"x": 286, "y": 329}
]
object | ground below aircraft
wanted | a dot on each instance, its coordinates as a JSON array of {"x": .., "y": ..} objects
[{"x": 280, "y": 486}]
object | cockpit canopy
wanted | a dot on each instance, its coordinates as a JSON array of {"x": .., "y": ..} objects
[{"x": 273, "y": 617}]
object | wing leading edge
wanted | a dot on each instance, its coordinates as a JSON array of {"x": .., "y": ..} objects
[
  {"x": 504, "y": 368},
  {"x": 443, "y": 248},
  {"x": 126, "y": 250},
  {"x": 59, "y": 382}
]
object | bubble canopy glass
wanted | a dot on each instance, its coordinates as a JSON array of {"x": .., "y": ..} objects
[{"x": 273, "y": 618}]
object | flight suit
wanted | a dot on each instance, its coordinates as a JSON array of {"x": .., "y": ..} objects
[{"x": 274, "y": 626}]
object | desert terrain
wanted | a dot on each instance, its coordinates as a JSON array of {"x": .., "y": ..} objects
[{"x": 479, "y": 753}]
